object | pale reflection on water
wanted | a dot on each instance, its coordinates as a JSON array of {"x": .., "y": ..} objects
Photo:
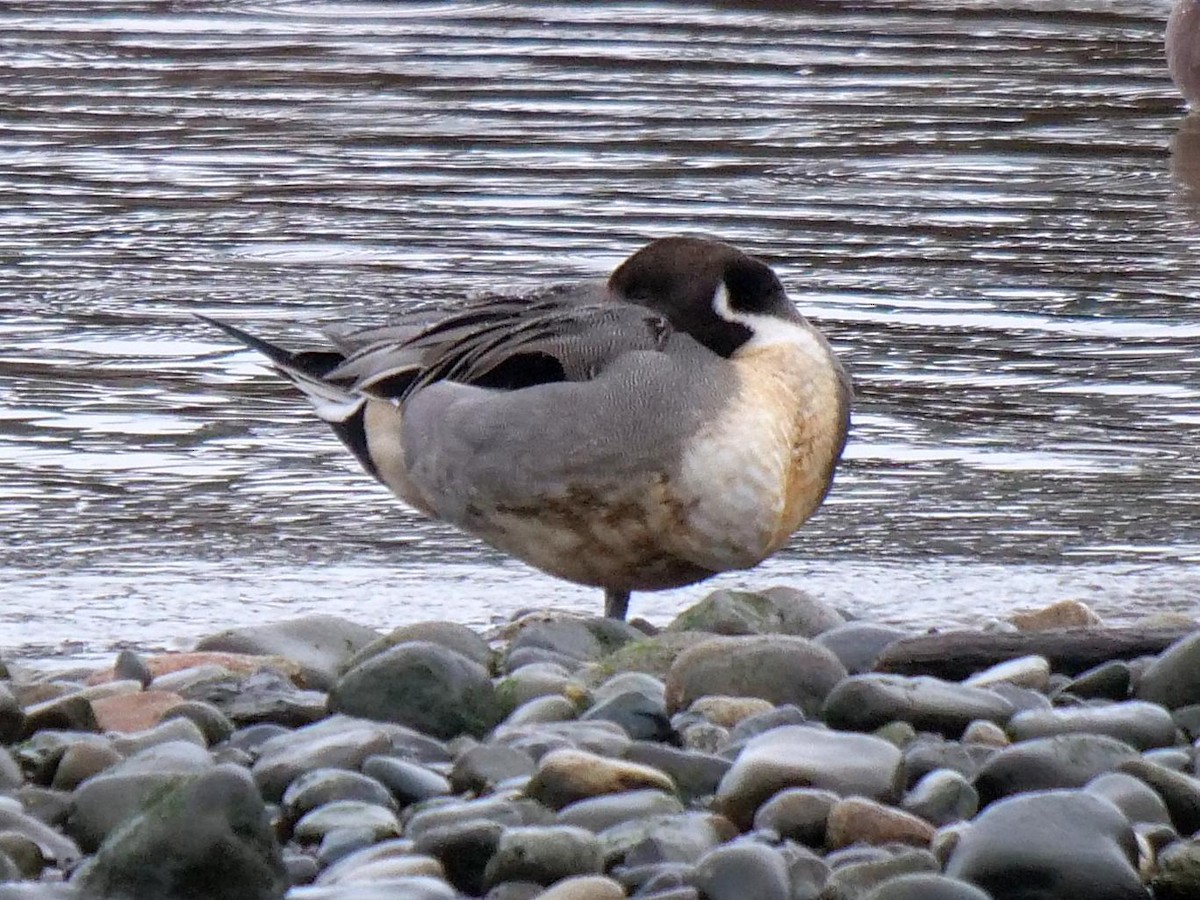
[{"x": 991, "y": 206}]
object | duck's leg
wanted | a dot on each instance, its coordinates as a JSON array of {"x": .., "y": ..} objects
[{"x": 616, "y": 603}]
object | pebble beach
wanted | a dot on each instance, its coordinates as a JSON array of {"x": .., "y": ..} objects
[{"x": 763, "y": 745}]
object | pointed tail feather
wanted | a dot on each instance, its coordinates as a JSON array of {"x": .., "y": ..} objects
[{"x": 332, "y": 402}]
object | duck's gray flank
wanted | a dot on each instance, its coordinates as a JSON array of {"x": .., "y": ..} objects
[{"x": 678, "y": 420}]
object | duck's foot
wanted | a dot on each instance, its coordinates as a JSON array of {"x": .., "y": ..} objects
[{"x": 616, "y": 604}]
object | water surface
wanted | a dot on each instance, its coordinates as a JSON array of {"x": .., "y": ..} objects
[{"x": 992, "y": 208}]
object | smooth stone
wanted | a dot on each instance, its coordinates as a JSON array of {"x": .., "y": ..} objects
[
  {"x": 643, "y": 717},
  {"x": 859, "y": 644},
  {"x": 1021, "y": 698},
  {"x": 803, "y": 615},
  {"x": 67, "y": 713},
  {"x": 597, "y": 814},
  {"x": 213, "y": 724},
  {"x": 267, "y": 697},
  {"x": 413, "y": 887},
  {"x": 797, "y": 814},
  {"x": 931, "y": 752},
  {"x": 39, "y": 892},
  {"x": 161, "y": 664},
  {"x": 133, "y": 712},
  {"x": 408, "y": 782},
  {"x": 761, "y": 722},
  {"x": 743, "y": 869},
  {"x": 565, "y": 776},
  {"x": 808, "y": 871},
  {"x": 540, "y": 680},
  {"x": 598, "y": 736},
  {"x": 44, "y": 804},
  {"x": 348, "y": 869},
  {"x": 987, "y": 734},
  {"x": 1031, "y": 672},
  {"x": 319, "y": 644},
  {"x": 108, "y": 799},
  {"x": 728, "y": 712},
  {"x": 1063, "y": 614},
  {"x": 544, "y": 855},
  {"x": 173, "y": 731},
  {"x": 568, "y": 636},
  {"x": 803, "y": 756},
  {"x": 451, "y": 635},
  {"x": 507, "y": 811},
  {"x": 317, "y": 787},
  {"x": 12, "y": 716},
  {"x": 624, "y": 682},
  {"x": 680, "y": 838},
  {"x": 11, "y": 776},
  {"x": 856, "y": 820},
  {"x": 1180, "y": 792},
  {"x": 1141, "y": 725},
  {"x": 479, "y": 769},
  {"x": 422, "y": 685},
  {"x": 81, "y": 761},
  {"x": 1131, "y": 795},
  {"x": 197, "y": 681},
  {"x": 24, "y": 853},
  {"x": 925, "y": 887},
  {"x": 1078, "y": 843},
  {"x": 584, "y": 887},
  {"x": 549, "y": 708},
  {"x": 130, "y": 665},
  {"x": 1107, "y": 681},
  {"x": 39, "y": 756},
  {"x": 1064, "y": 761},
  {"x": 695, "y": 774},
  {"x": 1177, "y": 758},
  {"x": 314, "y": 825},
  {"x": 731, "y": 612},
  {"x": 941, "y": 797},
  {"x": 343, "y": 838},
  {"x": 1173, "y": 678},
  {"x": 1177, "y": 872},
  {"x": 334, "y": 743},
  {"x": 537, "y": 656},
  {"x": 463, "y": 848},
  {"x": 852, "y": 880},
  {"x": 651, "y": 655},
  {"x": 515, "y": 890},
  {"x": 777, "y": 668},
  {"x": 866, "y": 702},
  {"x": 207, "y": 837},
  {"x": 250, "y": 739},
  {"x": 413, "y": 864},
  {"x": 53, "y": 845}
]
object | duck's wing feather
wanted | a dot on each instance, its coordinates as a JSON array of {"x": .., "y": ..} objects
[{"x": 506, "y": 344}]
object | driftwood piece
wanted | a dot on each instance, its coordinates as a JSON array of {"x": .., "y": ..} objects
[{"x": 954, "y": 655}]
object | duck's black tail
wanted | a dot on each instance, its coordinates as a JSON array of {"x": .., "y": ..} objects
[{"x": 335, "y": 403}]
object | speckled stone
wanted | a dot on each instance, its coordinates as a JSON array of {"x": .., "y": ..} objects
[{"x": 544, "y": 855}]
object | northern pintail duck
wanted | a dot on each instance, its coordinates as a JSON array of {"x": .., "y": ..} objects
[
  {"x": 1183, "y": 48},
  {"x": 678, "y": 420}
]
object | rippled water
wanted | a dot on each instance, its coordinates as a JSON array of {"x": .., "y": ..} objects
[{"x": 993, "y": 208}]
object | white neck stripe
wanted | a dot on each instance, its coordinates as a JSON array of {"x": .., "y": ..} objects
[{"x": 765, "y": 330}]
